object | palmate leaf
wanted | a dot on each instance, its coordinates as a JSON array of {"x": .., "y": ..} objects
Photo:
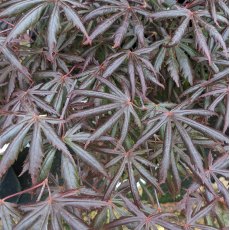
[
  {"x": 121, "y": 103},
  {"x": 69, "y": 173},
  {"x": 177, "y": 116},
  {"x": 137, "y": 64},
  {"x": 37, "y": 59},
  {"x": 125, "y": 9},
  {"x": 22, "y": 100},
  {"x": 114, "y": 211},
  {"x": 199, "y": 88},
  {"x": 193, "y": 215},
  {"x": 58, "y": 86},
  {"x": 218, "y": 167},
  {"x": 10, "y": 78},
  {"x": 141, "y": 219},
  {"x": 132, "y": 161},
  {"x": 51, "y": 213},
  {"x": 194, "y": 16},
  {"x": 35, "y": 10},
  {"x": 98, "y": 99},
  {"x": 16, "y": 135}
]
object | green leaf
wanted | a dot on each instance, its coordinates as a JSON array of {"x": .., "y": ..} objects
[
  {"x": 160, "y": 59},
  {"x": 69, "y": 173},
  {"x": 184, "y": 65},
  {"x": 173, "y": 67},
  {"x": 47, "y": 164}
]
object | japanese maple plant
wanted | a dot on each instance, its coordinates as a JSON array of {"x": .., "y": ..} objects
[{"x": 114, "y": 114}]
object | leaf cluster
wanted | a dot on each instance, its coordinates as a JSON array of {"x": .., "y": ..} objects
[{"x": 112, "y": 105}]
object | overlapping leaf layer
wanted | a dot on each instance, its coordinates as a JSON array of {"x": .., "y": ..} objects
[{"x": 112, "y": 108}]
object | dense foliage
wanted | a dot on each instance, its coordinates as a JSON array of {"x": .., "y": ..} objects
[{"x": 111, "y": 110}]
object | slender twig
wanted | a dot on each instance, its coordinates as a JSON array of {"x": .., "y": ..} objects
[{"x": 26, "y": 190}]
